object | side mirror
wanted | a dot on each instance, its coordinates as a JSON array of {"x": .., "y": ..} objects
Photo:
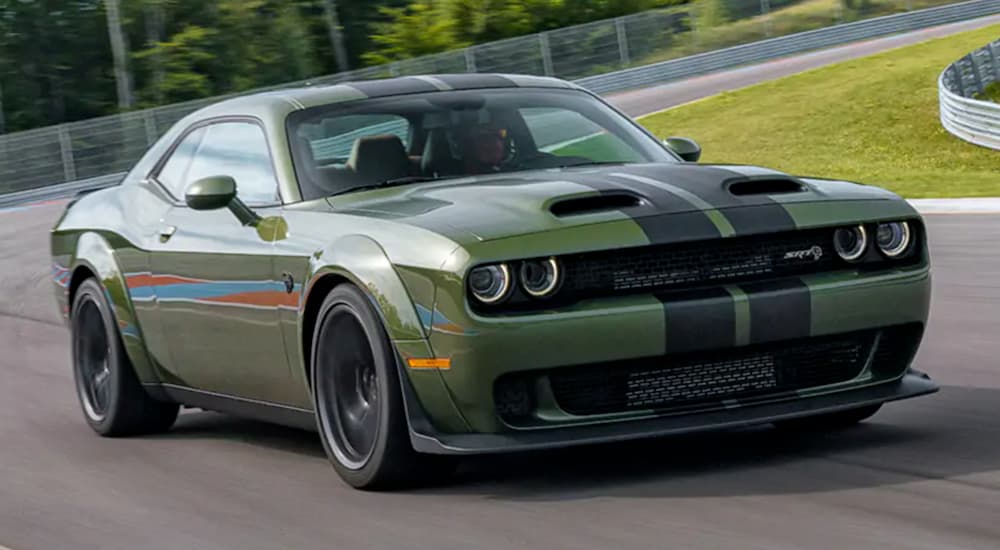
[
  {"x": 687, "y": 149},
  {"x": 215, "y": 192},
  {"x": 211, "y": 193}
]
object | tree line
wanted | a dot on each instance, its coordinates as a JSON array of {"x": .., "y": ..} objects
[{"x": 66, "y": 60}]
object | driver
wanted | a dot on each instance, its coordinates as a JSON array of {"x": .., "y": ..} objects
[{"x": 483, "y": 149}]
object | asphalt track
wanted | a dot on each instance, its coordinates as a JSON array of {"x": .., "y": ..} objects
[{"x": 922, "y": 474}]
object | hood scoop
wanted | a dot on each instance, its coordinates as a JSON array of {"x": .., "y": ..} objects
[
  {"x": 598, "y": 203},
  {"x": 770, "y": 186}
]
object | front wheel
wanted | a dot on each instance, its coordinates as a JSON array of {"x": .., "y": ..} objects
[
  {"x": 829, "y": 421},
  {"x": 358, "y": 402}
]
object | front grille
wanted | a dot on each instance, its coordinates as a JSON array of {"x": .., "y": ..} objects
[
  {"x": 700, "y": 379},
  {"x": 724, "y": 261}
]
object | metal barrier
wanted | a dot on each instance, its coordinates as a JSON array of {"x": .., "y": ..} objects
[
  {"x": 606, "y": 56},
  {"x": 976, "y": 121}
]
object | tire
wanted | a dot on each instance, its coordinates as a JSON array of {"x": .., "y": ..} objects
[
  {"x": 357, "y": 398},
  {"x": 114, "y": 403},
  {"x": 830, "y": 421}
]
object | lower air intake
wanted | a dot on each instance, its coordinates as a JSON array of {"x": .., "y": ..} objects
[{"x": 700, "y": 379}]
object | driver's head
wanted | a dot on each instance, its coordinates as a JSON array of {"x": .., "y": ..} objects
[{"x": 486, "y": 144}]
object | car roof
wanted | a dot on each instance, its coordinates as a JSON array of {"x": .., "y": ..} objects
[{"x": 281, "y": 102}]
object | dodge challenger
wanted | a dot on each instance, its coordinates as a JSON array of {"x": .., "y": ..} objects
[{"x": 426, "y": 267}]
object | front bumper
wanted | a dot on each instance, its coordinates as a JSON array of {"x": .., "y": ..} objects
[
  {"x": 485, "y": 349},
  {"x": 426, "y": 439}
]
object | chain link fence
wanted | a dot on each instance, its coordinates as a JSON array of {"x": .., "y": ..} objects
[
  {"x": 98, "y": 147},
  {"x": 962, "y": 114}
]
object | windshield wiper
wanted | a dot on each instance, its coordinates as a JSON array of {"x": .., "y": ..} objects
[{"x": 392, "y": 182}]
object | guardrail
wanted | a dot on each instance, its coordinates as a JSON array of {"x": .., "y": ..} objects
[
  {"x": 971, "y": 119},
  {"x": 36, "y": 163}
]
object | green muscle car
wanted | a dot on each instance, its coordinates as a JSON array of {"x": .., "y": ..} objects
[{"x": 426, "y": 267}]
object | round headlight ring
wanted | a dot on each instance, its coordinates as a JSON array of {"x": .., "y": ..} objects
[
  {"x": 850, "y": 242},
  {"x": 540, "y": 278},
  {"x": 490, "y": 283},
  {"x": 893, "y": 238}
]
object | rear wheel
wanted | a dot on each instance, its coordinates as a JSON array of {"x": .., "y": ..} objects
[
  {"x": 114, "y": 402},
  {"x": 829, "y": 421},
  {"x": 359, "y": 406}
]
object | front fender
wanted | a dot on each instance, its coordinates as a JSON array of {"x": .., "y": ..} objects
[
  {"x": 95, "y": 253},
  {"x": 363, "y": 262}
]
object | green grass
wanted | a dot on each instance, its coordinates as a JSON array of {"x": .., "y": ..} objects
[
  {"x": 798, "y": 17},
  {"x": 873, "y": 120},
  {"x": 991, "y": 93}
]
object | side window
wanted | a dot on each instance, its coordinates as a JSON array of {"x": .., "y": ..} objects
[
  {"x": 174, "y": 174},
  {"x": 238, "y": 150},
  {"x": 567, "y": 133}
]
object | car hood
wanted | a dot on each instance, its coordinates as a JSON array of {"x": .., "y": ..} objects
[{"x": 504, "y": 205}]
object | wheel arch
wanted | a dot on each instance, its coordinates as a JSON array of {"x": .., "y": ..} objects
[
  {"x": 95, "y": 257},
  {"x": 358, "y": 260}
]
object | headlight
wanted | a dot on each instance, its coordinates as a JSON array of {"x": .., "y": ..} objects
[
  {"x": 850, "y": 242},
  {"x": 893, "y": 238},
  {"x": 490, "y": 283},
  {"x": 540, "y": 277}
]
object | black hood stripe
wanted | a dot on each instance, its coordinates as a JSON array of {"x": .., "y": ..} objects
[
  {"x": 660, "y": 220},
  {"x": 761, "y": 218},
  {"x": 678, "y": 227},
  {"x": 707, "y": 185},
  {"x": 658, "y": 187}
]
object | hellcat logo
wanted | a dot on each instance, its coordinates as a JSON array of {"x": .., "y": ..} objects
[{"x": 815, "y": 253}]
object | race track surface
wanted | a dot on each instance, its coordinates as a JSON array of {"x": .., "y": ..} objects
[{"x": 921, "y": 474}]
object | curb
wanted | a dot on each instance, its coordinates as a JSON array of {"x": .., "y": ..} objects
[{"x": 975, "y": 205}]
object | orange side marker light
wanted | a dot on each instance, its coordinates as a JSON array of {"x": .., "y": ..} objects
[{"x": 436, "y": 363}]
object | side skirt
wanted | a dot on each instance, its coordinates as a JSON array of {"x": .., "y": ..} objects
[{"x": 239, "y": 406}]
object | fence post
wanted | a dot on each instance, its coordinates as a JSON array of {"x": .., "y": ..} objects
[
  {"x": 66, "y": 152},
  {"x": 149, "y": 121},
  {"x": 543, "y": 44},
  {"x": 994, "y": 48},
  {"x": 622, "y": 41},
  {"x": 393, "y": 69},
  {"x": 765, "y": 11},
  {"x": 975, "y": 72},
  {"x": 3, "y": 121},
  {"x": 692, "y": 17},
  {"x": 956, "y": 78},
  {"x": 470, "y": 60}
]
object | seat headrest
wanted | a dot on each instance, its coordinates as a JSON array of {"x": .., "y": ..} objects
[
  {"x": 379, "y": 158},
  {"x": 437, "y": 157},
  {"x": 312, "y": 177}
]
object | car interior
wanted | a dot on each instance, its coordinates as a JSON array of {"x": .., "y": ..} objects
[{"x": 378, "y": 142}]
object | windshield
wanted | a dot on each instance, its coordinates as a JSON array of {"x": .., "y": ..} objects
[{"x": 402, "y": 139}]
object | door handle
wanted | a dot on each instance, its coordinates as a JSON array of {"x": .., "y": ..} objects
[{"x": 166, "y": 233}]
